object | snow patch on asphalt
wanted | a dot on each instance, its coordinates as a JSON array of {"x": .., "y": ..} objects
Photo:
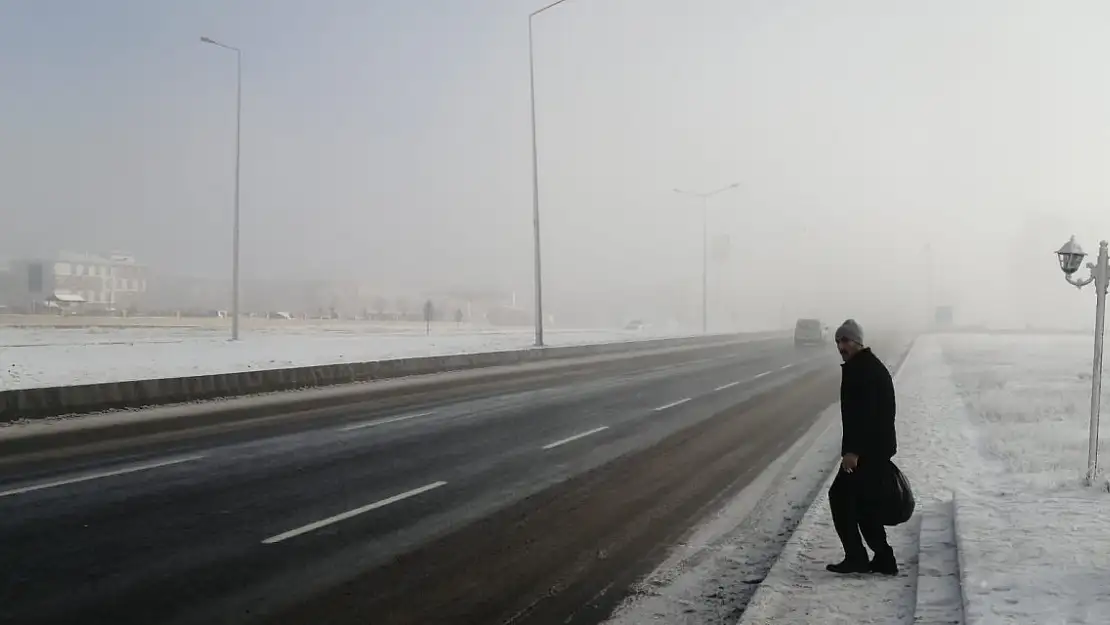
[{"x": 711, "y": 577}]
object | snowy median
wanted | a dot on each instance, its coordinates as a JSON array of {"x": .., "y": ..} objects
[
  {"x": 111, "y": 375},
  {"x": 992, "y": 433},
  {"x": 42, "y": 357}
]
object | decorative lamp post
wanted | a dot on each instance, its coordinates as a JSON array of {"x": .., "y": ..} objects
[{"x": 1071, "y": 258}]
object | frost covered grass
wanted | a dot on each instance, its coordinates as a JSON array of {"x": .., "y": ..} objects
[
  {"x": 1028, "y": 398},
  {"x": 1032, "y": 540}
]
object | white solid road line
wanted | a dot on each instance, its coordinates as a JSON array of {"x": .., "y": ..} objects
[
  {"x": 146, "y": 466},
  {"x": 672, "y": 404},
  {"x": 370, "y": 424},
  {"x": 785, "y": 367},
  {"x": 726, "y": 386},
  {"x": 761, "y": 375},
  {"x": 351, "y": 513},
  {"x": 575, "y": 437}
]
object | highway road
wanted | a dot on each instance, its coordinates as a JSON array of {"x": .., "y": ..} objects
[{"x": 537, "y": 502}]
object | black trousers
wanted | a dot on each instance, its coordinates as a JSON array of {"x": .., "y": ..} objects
[{"x": 851, "y": 499}]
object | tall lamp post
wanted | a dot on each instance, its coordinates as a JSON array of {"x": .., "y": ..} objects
[
  {"x": 235, "y": 227},
  {"x": 705, "y": 247},
  {"x": 536, "y": 177},
  {"x": 1071, "y": 257}
]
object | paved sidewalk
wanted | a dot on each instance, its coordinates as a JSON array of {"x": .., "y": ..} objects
[{"x": 799, "y": 591}]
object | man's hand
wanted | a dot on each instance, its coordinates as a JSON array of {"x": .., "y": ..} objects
[{"x": 849, "y": 462}]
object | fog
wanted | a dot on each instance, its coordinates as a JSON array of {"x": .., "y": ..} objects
[{"x": 388, "y": 142}]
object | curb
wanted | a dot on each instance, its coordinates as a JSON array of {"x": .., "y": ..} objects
[
  {"x": 764, "y": 597},
  {"x": 961, "y": 556},
  {"x": 937, "y": 556}
]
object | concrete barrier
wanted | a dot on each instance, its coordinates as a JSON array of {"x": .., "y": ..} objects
[{"x": 37, "y": 403}]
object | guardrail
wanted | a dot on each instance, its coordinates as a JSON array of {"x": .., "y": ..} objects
[{"x": 37, "y": 403}]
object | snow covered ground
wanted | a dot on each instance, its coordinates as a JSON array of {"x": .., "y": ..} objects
[
  {"x": 46, "y": 356},
  {"x": 992, "y": 435},
  {"x": 992, "y": 429},
  {"x": 1034, "y": 544}
]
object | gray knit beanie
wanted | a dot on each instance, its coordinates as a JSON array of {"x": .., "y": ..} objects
[{"x": 850, "y": 330}]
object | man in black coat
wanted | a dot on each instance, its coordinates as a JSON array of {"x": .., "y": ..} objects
[{"x": 867, "y": 408}]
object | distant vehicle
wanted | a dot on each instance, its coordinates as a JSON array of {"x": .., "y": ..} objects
[
  {"x": 810, "y": 332},
  {"x": 635, "y": 324}
]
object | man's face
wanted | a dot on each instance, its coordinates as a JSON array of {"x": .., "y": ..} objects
[{"x": 846, "y": 348}]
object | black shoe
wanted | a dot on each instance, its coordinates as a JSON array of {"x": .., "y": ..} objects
[
  {"x": 848, "y": 567},
  {"x": 884, "y": 564}
]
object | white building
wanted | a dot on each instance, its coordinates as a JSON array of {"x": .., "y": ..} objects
[{"x": 89, "y": 281}]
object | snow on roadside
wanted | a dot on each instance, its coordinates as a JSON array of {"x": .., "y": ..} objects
[
  {"x": 1034, "y": 558},
  {"x": 1033, "y": 542},
  {"x": 1029, "y": 403},
  {"x": 936, "y": 451},
  {"x": 709, "y": 579},
  {"x": 36, "y": 357},
  {"x": 996, "y": 425}
]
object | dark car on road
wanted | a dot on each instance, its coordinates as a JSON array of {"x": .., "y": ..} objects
[{"x": 809, "y": 332}]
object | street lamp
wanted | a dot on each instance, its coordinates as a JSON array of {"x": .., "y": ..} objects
[
  {"x": 235, "y": 227},
  {"x": 1071, "y": 257},
  {"x": 705, "y": 247},
  {"x": 536, "y": 177}
]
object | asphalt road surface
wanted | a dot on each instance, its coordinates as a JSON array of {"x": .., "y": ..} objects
[{"x": 534, "y": 503}]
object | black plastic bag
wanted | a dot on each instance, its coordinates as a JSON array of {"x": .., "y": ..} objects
[{"x": 897, "y": 503}]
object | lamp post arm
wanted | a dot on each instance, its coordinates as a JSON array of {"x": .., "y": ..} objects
[{"x": 1079, "y": 284}]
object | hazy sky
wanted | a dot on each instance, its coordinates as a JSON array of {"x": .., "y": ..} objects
[{"x": 388, "y": 141}]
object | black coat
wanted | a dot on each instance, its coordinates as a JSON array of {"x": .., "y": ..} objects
[{"x": 867, "y": 407}]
